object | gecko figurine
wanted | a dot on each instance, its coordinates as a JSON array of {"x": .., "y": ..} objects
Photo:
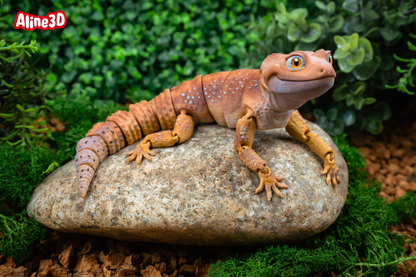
[{"x": 245, "y": 99}]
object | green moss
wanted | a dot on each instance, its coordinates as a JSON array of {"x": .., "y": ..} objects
[
  {"x": 21, "y": 170},
  {"x": 20, "y": 234},
  {"x": 405, "y": 206},
  {"x": 359, "y": 231}
]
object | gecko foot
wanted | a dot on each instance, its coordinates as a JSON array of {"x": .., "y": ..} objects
[
  {"x": 331, "y": 171},
  {"x": 142, "y": 150},
  {"x": 271, "y": 182}
]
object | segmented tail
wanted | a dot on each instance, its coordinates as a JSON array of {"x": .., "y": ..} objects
[{"x": 106, "y": 138}]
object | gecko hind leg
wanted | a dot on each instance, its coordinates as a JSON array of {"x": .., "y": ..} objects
[{"x": 182, "y": 131}]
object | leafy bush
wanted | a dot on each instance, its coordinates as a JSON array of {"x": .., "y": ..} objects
[
  {"x": 110, "y": 52},
  {"x": 356, "y": 233},
  {"x": 365, "y": 34},
  {"x": 118, "y": 49},
  {"x": 22, "y": 93}
]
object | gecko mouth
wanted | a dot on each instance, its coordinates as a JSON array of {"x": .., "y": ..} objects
[
  {"x": 300, "y": 90},
  {"x": 288, "y": 95}
]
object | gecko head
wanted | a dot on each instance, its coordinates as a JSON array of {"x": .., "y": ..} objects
[{"x": 288, "y": 81}]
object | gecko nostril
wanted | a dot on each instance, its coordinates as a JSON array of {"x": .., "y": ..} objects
[{"x": 322, "y": 70}]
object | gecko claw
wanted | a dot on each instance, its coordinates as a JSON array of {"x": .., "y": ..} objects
[
  {"x": 271, "y": 182},
  {"x": 331, "y": 170},
  {"x": 142, "y": 150}
]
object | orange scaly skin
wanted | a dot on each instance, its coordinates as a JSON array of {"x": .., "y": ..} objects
[{"x": 245, "y": 99}]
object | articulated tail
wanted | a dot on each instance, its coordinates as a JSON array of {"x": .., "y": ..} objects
[
  {"x": 106, "y": 138},
  {"x": 120, "y": 129}
]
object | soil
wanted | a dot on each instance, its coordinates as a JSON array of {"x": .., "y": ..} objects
[{"x": 390, "y": 157}]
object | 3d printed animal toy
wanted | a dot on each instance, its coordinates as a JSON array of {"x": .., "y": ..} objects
[{"x": 244, "y": 99}]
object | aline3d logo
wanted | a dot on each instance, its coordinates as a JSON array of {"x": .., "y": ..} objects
[{"x": 30, "y": 22}]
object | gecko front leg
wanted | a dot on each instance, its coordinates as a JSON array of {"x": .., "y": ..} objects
[
  {"x": 299, "y": 129},
  {"x": 244, "y": 135}
]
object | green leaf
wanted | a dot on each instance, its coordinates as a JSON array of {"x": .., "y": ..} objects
[
  {"x": 335, "y": 128},
  {"x": 349, "y": 100},
  {"x": 330, "y": 8},
  {"x": 336, "y": 23},
  {"x": 359, "y": 103},
  {"x": 6, "y": 84},
  {"x": 345, "y": 66},
  {"x": 353, "y": 41},
  {"x": 369, "y": 100},
  {"x": 374, "y": 126},
  {"x": 294, "y": 33},
  {"x": 19, "y": 107},
  {"x": 358, "y": 88},
  {"x": 348, "y": 116},
  {"x": 320, "y": 5},
  {"x": 79, "y": 49},
  {"x": 312, "y": 34},
  {"x": 298, "y": 16},
  {"x": 366, "y": 44},
  {"x": 318, "y": 113},
  {"x": 356, "y": 57},
  {"x": 97, "y": 16},
  {"x": 341, "y": 53},
  {"x": 389, "y": 34},
  {"x": 332, "y": 114},
  {"x": 86, "y": 77},
  {"x": 40, "y": 130},
  {"x": 350, "y": 5},
  {"x": 340, "y": 41},
  {"x": 5, "y": 115},
  {"x": 411, "y": 46},
  {"x": 365, "y": 70},
  {"x": 54, "y": 165},
  {"x": 340, "y": 93}
]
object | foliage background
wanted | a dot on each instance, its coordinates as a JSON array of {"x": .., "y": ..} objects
[{"x": 113, "y": 52}]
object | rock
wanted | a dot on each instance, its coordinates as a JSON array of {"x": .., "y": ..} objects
[{"x": 198, "y": 193}]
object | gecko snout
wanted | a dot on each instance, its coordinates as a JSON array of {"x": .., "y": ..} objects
[{"x": 327, "y": 72}]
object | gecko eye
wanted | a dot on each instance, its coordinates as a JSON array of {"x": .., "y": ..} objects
[
  {"x": 295, "y": 62},
  {"x": 329, "y": 59}
]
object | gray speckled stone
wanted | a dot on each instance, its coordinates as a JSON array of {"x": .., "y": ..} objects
[{"x": 198, "y": 192}]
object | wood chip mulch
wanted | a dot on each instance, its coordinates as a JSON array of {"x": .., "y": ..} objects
[{"x": 71, "y": 255}]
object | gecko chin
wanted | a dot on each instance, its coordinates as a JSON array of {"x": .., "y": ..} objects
[{"x": 285, "y": 95}]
